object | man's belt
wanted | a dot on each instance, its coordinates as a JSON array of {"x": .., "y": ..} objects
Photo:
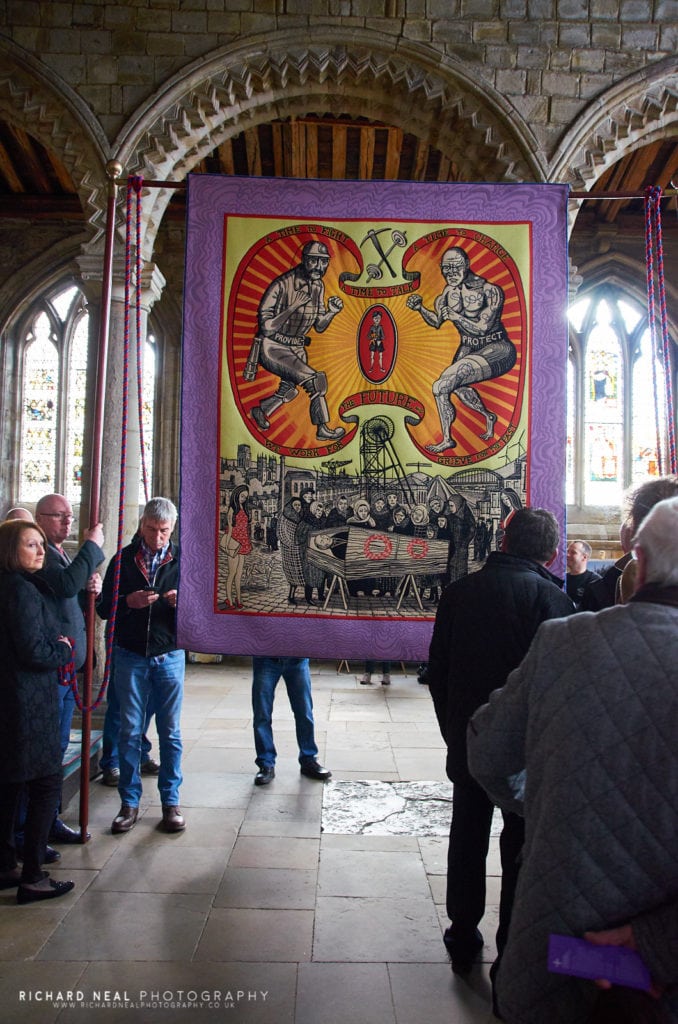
[{"x": 286, "y": 339}]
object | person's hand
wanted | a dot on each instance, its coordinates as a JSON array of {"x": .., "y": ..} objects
[
  {"x": 93, "y": 585},
  {"x": 139, "y": 599},
  {"x": 622, "y": 936},
  {"x": 95, "y": 534},
  {"x": 414, "y": 301},
  {"x": 171, "y": 598},
  {"x": 335, "y": 304}
]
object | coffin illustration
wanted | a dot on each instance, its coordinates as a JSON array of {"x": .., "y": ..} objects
[{"x": 357, "y": 552}]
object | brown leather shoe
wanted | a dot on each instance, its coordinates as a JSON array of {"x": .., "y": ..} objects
[
  {"x": 172, "y": 820},
  {"x": 126, "y": 819}
]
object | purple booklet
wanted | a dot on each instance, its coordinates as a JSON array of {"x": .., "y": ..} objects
[{"x": 617, "y": 964}]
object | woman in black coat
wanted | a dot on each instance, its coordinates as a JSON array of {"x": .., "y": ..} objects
[{"x": 31, "y": 651}]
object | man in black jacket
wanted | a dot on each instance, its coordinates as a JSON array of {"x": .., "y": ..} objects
[
  {"x": 484, "y": 626},
  {"x": 69, "y": 579},
  {"x": 146, "y": 662}
]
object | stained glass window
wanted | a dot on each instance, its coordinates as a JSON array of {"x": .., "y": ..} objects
[
  {"x": 75, "y": 429},
  {"x": 618, "y": 422},
  {"x": 646, "y": 423},
  {"x": 39, "y": 411},
  {"x": 53, "y": 396},
  {"x": 569, "y": 462},
  {"x": 603, "y": 412}
]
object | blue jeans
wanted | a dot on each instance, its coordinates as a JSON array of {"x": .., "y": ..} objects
[
  {"x": 109, "y": 748},
  {"x": 138, "y": 680},
  {"x": 297, "y": 676}
]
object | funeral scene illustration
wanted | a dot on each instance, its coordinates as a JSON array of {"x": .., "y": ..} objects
[
  {"x": 381, "y": 540},
  {"x": 366, "y": 460}
]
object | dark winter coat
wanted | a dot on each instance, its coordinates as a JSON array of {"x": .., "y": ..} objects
[
  {"x": 30, "y": 743},
  {"x": 484, "y": 626},
  {"x": 147, "y": 631},
  {"x": 68, "y": 580},
  {"x": 591, "y": 717}
]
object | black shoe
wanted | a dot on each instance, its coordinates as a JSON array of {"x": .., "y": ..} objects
[
  {"x": 62, "y": 833},
  {"x": 462, "y": 951},
  {"x": 313, "y": 770},
  {"x": 51, "y": 890},
  {"x": 264, "y": 776},
  {"x": 51, "y": 855}
]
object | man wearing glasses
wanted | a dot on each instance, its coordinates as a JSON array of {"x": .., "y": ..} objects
[{"x": 68, "y": 579}]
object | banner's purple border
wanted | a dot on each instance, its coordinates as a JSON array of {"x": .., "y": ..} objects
[{"x": 209, "y": 199}]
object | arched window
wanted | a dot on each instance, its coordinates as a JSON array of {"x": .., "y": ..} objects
[
  {"x": 53, "y": 393},
  {"x": 616, "y": 423}
]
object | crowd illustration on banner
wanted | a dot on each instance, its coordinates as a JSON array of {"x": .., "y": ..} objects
[{"x": 327, "y": 541}]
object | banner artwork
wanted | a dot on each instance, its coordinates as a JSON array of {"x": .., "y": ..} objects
[{"x": 373, "y": 378}]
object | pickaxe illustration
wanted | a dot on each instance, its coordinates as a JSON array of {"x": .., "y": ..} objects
[{"x": 399, "y": 240}]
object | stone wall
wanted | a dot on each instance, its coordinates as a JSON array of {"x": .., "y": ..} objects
[{"x": 548, "y": 58}]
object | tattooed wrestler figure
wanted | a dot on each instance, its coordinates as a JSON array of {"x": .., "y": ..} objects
[{"x": 474, "y": 306}]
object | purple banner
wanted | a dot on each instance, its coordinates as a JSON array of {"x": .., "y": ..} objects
[{"x": 374, "y": 376}]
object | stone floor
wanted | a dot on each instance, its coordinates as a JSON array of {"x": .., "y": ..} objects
[{"x": 269, "y": 908}]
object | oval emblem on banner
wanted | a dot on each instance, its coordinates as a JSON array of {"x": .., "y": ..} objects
[{"x": 377, "y": 344}]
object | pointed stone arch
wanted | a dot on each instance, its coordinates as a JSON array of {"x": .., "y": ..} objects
[
  {"x": 360, "y": 73},
  {"x": 45, "y": 107},
  {"x": 631, "y": 114}
]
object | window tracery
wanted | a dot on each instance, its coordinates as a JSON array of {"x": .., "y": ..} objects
[{"x": 618, "y": 426}]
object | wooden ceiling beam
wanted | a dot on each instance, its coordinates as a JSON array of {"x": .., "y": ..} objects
[
  {"x": 298, "y": 149},
  {"x": 40, "y": 207},
  {"x": 9, "y": 173},
  {"x": 420, "y": 161},
  {"x": 278, "y": 154},
  {"x": 366, "y": 164},
  {"x": 32, "y": 160},
  {"x": 226, "y": 157},
  {"x": 393, "y": 147},
  {"x": 311, "y": 130},
  {"x": 253, "y": 151},
  {"x": 339, "y": 136}
]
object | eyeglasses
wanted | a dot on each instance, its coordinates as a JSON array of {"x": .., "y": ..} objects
[{"x": 58, "y": 515}]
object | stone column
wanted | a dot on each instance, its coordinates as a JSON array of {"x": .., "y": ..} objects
[{"x": 111, "y": 447}]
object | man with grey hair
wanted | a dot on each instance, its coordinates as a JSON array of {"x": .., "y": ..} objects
[
  {"x": 582, "y": 741},
  {"x": 146, "y": 663}
]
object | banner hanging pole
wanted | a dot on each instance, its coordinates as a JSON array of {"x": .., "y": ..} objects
[{"x": 113, "y": 171}]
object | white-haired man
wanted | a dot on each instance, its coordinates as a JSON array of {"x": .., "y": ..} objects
[
  {"x": 146, "y": 662},
  {"x": 582, "y": 740}
]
